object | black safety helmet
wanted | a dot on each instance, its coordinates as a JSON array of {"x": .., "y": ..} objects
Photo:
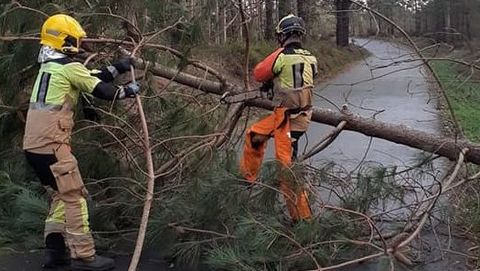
[{"x": 290, "y": 24}]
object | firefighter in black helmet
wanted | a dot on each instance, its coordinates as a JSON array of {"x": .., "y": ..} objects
[{"x": 290, "y": 71}]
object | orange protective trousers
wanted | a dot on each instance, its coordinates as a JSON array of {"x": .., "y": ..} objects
[{"x": 278, "y": 126}]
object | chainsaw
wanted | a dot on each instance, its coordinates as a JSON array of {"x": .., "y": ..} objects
[{"x": 264, "y": 92}]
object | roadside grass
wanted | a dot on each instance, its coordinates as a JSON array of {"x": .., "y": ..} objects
[
  {"x": 463, "y": 90},
  {"x": 464, "y": 95}
]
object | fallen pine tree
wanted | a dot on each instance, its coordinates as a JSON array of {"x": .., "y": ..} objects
[
  {"x": 397, "y": 133},
  {"x": 400, "y": 134}
]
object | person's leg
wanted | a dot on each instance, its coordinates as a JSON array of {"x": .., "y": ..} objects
[
  {"x": 55, "y": 249},
  {"x": 254, "y": 148},
  {"x": 297, "y": 201},
  {"x": 72, "y": 193},
  {"x": 296, "y": 135}
]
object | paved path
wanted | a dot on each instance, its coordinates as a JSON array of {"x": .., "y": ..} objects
[{"x": 32, "y": 261}]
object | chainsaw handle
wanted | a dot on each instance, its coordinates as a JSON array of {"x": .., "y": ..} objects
[{"x": 224, "y": 96}]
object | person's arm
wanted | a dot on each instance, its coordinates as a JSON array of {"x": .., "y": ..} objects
[
  {"x": 82, "y": 79},
  {"x": 109, "y": 73},
  {"x": 108, "y": 91},
  {"x": 264, "y": 71},
  {"x": 315, "y": 68}
]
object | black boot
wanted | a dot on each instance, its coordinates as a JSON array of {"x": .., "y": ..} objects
[
  {"x": 95, "y": 263},
  {"x": 55, "y": 258},
  {"x": 55, "y": 252}
]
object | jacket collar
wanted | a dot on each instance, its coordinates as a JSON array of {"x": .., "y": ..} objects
[{"x": 47, "y": 53}]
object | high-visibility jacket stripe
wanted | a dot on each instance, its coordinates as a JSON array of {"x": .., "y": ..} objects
[
  {"x": 298, "y": 74},
  {"x": 314, "y": 70},
  {"x": 43, "y": 88}
]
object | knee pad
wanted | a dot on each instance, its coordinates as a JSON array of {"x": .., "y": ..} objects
[
  {"x": 66, "y": 172},
  {"x": 258, "y": 139}
]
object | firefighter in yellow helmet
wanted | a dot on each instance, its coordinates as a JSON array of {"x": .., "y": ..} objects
[
  {"x": 290, "y": 71},
  {"x": 48, "y": 130}
]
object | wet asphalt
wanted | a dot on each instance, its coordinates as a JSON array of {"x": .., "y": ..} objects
[{"x": 383, "y": 87}]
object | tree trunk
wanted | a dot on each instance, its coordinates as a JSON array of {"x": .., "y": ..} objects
[
  {"x": 466, "y": 17},
  {"x": 304, "y": 10},
  {"x": 284, "y": 8},
  {"x": 448, "y": 11},
  {"x": 418, "y": 18},
  {"x": 269, "y": 24},
  {"x": 222, "y": 32},
  {"x": 400, "y": 134},
  {"x": 343, "y": 22}
]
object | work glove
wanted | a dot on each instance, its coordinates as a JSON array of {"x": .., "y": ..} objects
[
  {"x": 131, "y": 90},
  {"x": 123, "y": 64},
  {"x": 88, "y": 110},
  {"x": 267, "y": 88}
]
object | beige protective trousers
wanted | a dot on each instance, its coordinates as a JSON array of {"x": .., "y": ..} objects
[{"x": 50, "y": 132}]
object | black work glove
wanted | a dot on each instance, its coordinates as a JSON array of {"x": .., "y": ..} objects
[
  {"x": 131, "y": 90},
  {"x": 123, "y": 64},
  {"x": 267, "y": 86},
  {"x": 88, "y": 111}
]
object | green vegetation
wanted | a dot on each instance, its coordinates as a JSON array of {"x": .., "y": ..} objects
[
  {"x": 203, "y": 216},
  {"x": 464, "y": 94},
  {"x": 230, "y": 57}
]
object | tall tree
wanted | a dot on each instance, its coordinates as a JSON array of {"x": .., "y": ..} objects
[
  {"x": 467, "y": 18},
  {"x": 304, "y": 8},
  {"x": 418, "y": 22},
  {"x": 269, "y": 24},
  {"x": 284, "y": 7},
  {"x": 343, "y": 21},
  {"x": 222, "y": 21}
]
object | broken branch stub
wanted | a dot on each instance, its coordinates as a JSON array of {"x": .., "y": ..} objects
[{"x": 400, "y": 134}]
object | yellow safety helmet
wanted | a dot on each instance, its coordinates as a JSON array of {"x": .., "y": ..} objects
[{"x": 62, "y": 33}]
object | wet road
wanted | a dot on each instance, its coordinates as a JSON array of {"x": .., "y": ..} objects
[
  {"x": 384, "y": 87},
  {"x": 396, "y": 93},
  {"x": 33, "y": 260}
]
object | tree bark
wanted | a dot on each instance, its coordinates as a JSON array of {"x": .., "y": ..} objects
[
  {"x": 343, "y": 22},
  {"x": 304, "y": 10},
  {"x": 284, "y": 7},
  {"x": 400, "y": 134},
  {"x": 222, "y": 32},
  {"x": 269, "y": 24},
  {"x": 466, "y": 18},
  {"x": 418, "y": 22}
]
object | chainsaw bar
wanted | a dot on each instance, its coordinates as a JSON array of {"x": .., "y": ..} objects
[{"x": 241, "y": 97}]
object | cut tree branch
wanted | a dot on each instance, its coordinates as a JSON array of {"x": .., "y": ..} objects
[{"x": 401, "y": 134}]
